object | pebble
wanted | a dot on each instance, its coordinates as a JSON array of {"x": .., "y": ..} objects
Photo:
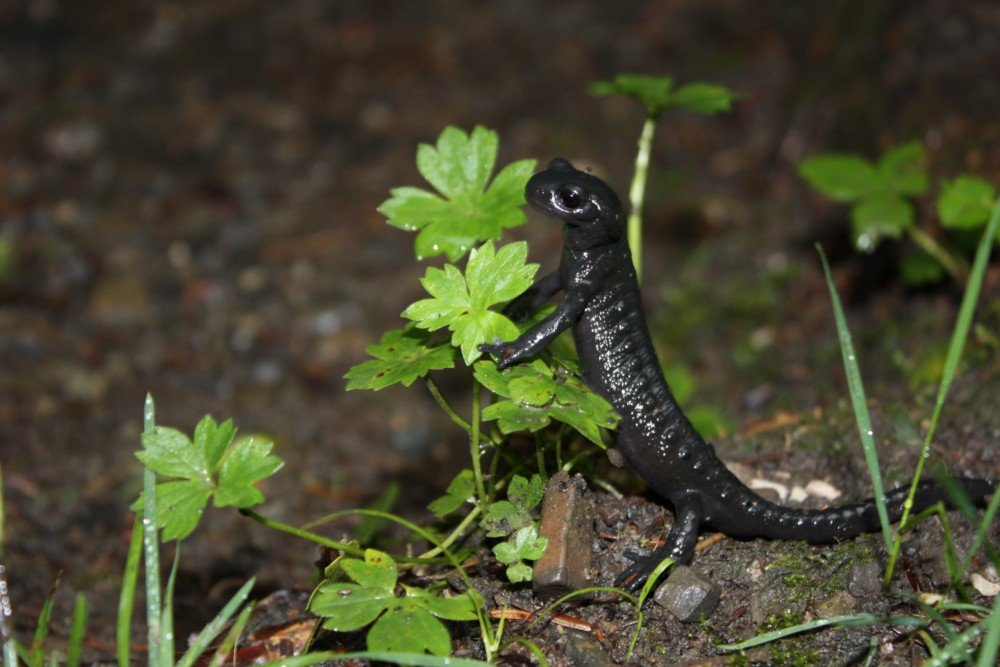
[{"x": 687, "y": 595}]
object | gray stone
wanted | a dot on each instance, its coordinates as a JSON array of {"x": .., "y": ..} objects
[
  {"x": 864, "y": 579},
  {"x": 687, "y": 595}
]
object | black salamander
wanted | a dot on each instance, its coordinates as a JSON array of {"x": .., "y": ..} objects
[{"x": 603, "y": 306}]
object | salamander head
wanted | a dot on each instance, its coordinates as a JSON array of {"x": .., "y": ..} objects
[{"x": 590, "y": 209}]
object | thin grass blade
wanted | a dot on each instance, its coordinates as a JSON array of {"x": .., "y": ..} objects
[
  {"x": 76, "y": 631},
  {"x": 126, "y": 601},
  {"x": 858, "y": 402},
  {"x": 215, "y": 626}
]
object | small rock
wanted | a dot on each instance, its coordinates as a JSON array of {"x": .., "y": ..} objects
[
  {"x": 838, "y": 604},
  {"x": 568, "y": 523},
  {"x": 984, "y": 585},
  {"x": 864, "y": 579},
  {"x": 583, "y": 650},
  {"x": 687, "y": 595}
]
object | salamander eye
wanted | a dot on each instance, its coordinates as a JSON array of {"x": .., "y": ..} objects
[{"x": 570, "y": 197}]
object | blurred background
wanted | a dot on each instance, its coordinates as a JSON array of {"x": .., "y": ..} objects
[{"x": 188, "y": 196}]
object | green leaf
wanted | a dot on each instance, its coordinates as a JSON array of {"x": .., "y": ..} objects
[
  {"x": 409, "y": 629},
  {"x": 841, "y": 177},
  {"x": 377, "y": 570},
  {"x": 526, "y": 494},
  {"x": 168, "y": 452},
  {"x": 179, "y": 507},
  {"x": 213, "y": 465},
  {"x": 878, "y": 217},
  {"x": 525, "y": 544},
  {"x": 503, "y": 518},
  {"x": 528, "y": 543},
  {"x": 512, "y": 417},
  {"x": 535, "y": 390},
  {"x": 347, "y": 606},
  {"x": 462, "y": 302},
  {"x": 531, "y": 405},
  {"x": 965, "y": 203},
  {"x": 461, "y": 490},
  {"x": 656, "y": 93},
  {"x": 704, "y": 98},
  {"x": 459, "y": 167},
  {"x": 904, "y": 169},
  {"x": 652, "y": 91},
  {"x": 458, "y": 608},
  {"x": 402, "y": 356},
  {"x": 248, "y": 462},
  {"x": 519, "y": 572},
  {"x": 213, "y": 439}
]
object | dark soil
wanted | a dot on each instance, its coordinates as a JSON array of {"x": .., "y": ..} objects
[{"x": 189, "y": 194}]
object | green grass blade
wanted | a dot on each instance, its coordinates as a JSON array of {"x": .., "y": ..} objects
[
  {"x": 6, "y": 636},
  {"x": 227, "y": 644},
  {"x": 151, "y": 548},
  {"x": 36, "y": 652},
  {"x": 76, "y": 631},
  {"x": 965, "y": 314},
  {"x": 858, "y": 401},
  {"x": 167, "y": 616},
  {"x": 215, "y": 626},
  {"x": 991, "y": 637},
  {"x": 955, "y": 348},
  {"x": 126, "y": 601},
  {"x": 768, "y": 637}
]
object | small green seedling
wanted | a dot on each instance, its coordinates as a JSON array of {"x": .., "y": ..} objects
[
  {"x": 657, "y": 94},
  {"x": 410, "y": 622},
  {"x": 880, "y": 194},
  {"x": 525, "y": 544},
  {"x": 513, "y": 518},
  {"x": 214, "y": 465}
]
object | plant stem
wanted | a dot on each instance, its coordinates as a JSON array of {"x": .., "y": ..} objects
[
  {"x": 436, "y": 393},
  {"x": 304, "y": 534},
  {"x": 474, "y": 440},
  {"x": 453, "y": 536},
  {"x": 957, "y": 268},
  {"x": 637, "y": 191}
]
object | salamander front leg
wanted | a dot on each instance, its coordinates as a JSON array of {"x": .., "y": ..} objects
[
  {"x": 526, "y": 305},
  {"x": 679, "y": 546}
]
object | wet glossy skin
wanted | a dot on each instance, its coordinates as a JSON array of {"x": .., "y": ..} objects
[{"x": 603, "y": 306}]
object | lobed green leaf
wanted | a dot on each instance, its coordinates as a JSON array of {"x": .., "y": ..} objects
[
  {"x": 459, "y": 167},
  {"x": 903, "y": 169},
  {"x": 461, "y": 490},
  {"x": 402, "y": 356},
  {"x": 462, "y": 302},
  {"x": 457, "y": 608},
  {"x": 377, "y": 570},
  {"x": 409, "y": 629},
  {"x": 347, "y": 606},
  {"x": 880, "y": 216},
  {"x": 704, "y": 98},
  {"x": 170, "y": 453},
  {"x": 966, "y": 202},
  {"x": 248, "y": 462},
  {"x": 841, "y": 177}
]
